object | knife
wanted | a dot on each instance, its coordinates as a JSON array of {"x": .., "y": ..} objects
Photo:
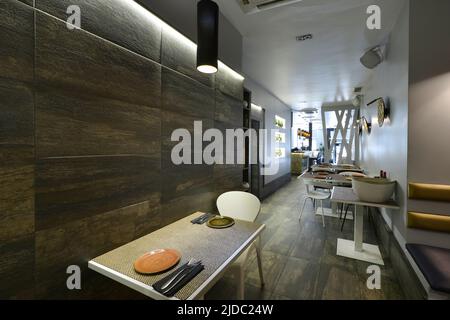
[
  {"x": 188, "y": 266},
  {"x": 180, "y": 276}
]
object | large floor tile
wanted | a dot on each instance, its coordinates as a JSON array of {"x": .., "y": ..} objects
[{"x": 300, "y": 260}]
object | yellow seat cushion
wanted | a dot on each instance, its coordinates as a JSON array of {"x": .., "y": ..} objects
[
  {"x": 431, "y": 192},
  {"x": 432, "y": 222}
]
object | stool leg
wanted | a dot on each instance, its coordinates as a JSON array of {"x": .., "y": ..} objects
[{"x": 258, "y": 257}]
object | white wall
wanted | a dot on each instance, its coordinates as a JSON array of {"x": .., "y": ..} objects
[
  {"x": 182, "y": 15},
  {"x": 273, "y": 106},
  {"x": 429, "y": 108},
  {"x": 386, "y": 148},
  {"x": 412, "y": 146}
]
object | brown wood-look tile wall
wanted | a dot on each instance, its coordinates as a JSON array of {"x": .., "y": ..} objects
[
  {"x": 16, "y": 151},
  {"x": 86, "y": 120},
  {"x": 122, "y": 22}
]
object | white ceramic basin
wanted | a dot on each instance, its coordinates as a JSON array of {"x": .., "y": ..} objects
[{"x": 373, "y": 189}]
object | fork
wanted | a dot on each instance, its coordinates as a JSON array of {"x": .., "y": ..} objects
[{"x": 192, "y": 263}]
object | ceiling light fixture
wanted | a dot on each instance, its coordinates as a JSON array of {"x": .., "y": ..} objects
[{"x": 208, "y": 36}]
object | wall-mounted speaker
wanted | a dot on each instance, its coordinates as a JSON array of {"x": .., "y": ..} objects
[{"x": 372, "y": 57}]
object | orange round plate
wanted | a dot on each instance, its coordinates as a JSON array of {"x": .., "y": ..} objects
[{"x": 157, "y": 261}]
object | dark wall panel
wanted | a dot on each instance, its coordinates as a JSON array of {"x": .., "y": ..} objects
[
  {"x": 68, "y": 189},
  {"x": 171, "y": 121},
  {"x": 16, "y": 113},
  {"x": 82, "y": 62},
  {"x": 230, "y": 83},
  {"x": 181, "y": 56},
  {"x": 17, "y": 268},
  {"x": 76, "y": 125},
  {"x": 228, "y": 111},
  {"x": 16, "y": 192},
  {"x": 16, "y": 221},
  {"x": 16, "y": 151},
  {"x": 16, "y": 40},
  {"x": 183, "y": 95},
  {"x": 123, "y": 22},
  {"x": 76, "y": 242},
  {"x": 85, "y": 139},
  {"x": 227, "y": 177},
  {"x": 186, "y": 188}
]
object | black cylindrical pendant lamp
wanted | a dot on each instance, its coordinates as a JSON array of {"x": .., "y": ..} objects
[{"x": 208, "y": 36}]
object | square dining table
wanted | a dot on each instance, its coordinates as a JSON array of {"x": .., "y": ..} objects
[{"x": 216, "y": 248}]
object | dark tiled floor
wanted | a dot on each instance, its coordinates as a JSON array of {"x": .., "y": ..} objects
[{"x": 299, "y": 258}]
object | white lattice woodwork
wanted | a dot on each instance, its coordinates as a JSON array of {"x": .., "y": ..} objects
[{"x": 347, "y": 128}]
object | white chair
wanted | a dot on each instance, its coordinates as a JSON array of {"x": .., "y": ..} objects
[
  {"x": 242, "y": 206},
  {"x": 314, "y": 195}
]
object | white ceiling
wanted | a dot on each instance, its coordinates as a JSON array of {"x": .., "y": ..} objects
[{"x": 324, "y": 69}]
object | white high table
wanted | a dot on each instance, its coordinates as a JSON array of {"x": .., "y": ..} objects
[{"x": 357, "y": 249}]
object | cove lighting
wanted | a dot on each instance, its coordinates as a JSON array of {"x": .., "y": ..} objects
[
  {"x": 258, "y": 108},
  {"x": 231, "y": 71},
  {"x": 176, "y": 34}
]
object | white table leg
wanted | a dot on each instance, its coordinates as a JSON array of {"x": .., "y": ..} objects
[
  {"x": 334, "y": 207},
  {"x": 356, "y": 249},
  {"x": 359, "y": 228}
]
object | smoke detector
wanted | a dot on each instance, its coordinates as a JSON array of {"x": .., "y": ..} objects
[
  {"x": 304, "y": 37},
  {"x": 255, "y": 6}
]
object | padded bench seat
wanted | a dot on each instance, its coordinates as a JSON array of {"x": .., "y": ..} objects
[{"x": 434, "y": 263}]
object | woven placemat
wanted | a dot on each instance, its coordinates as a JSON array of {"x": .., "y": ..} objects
[{"x": 212, "y": 246}]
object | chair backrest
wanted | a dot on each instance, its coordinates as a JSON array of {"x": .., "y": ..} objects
[
  {"x": 239, "y": 205},
  {"x": 311, "y": 184}
]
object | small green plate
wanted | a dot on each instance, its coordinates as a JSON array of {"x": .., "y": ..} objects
[{"x": 220, "y": 222}]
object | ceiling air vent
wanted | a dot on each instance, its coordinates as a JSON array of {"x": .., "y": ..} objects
[
  {"x": 310, "y": 111},
  {"x": 255, "y": 6},
  {"x": 304, "y": 37}
]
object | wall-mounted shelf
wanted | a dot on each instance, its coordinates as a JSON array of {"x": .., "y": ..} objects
[
  {"x": 280, "y": 137},
  {"x": 280, "y": 153},
  {"x": 280, "y": 122}
]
